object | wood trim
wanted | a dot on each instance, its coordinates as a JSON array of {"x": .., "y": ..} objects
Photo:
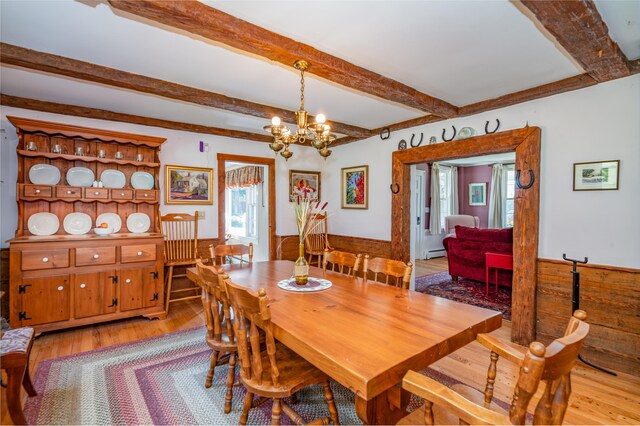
[
  {"x": 197, "y": 18},
  {"x": 271, "y": 163},
  {"x": 60, "y": 65},
  {"x": 592, "y": 265},
  {"x": 101, "y": 114},
  {"x": 579, "y": 28},
  {"x": 526, "y": 143}
]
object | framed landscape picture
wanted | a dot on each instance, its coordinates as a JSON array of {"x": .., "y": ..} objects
[
  {"x": 304, "y": 182},
  {"x": 188, "y": 185},
  {"x": 478, "y": 194},
  {"x": 355, "y": 187},
  {"x": 599, "y": 175}
]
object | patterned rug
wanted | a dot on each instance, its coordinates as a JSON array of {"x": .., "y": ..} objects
[
  {"x": 161, "y": 381},
  {"x": 466, "y": 291}
]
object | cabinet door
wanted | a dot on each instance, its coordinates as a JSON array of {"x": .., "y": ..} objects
[
  {"x": 150, "y": 289},
  {"x": 44, "y": 300},
  {"x": 95, "y": 294},
  {"x": 131, "y": 286}
]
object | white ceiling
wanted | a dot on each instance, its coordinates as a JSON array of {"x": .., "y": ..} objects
[
  {"x": 460, "y": 51},
  {"x": 623, "y": 19}
]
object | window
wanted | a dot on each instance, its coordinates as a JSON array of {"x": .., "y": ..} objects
[
  {"x": 510, "y": 182},
  {"x": 445, "y": 193},
  {"x": 242, "y": 211}
]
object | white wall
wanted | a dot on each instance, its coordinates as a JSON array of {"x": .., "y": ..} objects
[
  {"x": 181, "y": 148},
  {"x": 592, "y": 124}
]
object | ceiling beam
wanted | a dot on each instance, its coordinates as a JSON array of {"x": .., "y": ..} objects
[
  {"x": 60, "y": 65},
  {"x": 101, "y": 114},
  {"x": 579, "y": 28},
  {"x": 213, "y": 24}
]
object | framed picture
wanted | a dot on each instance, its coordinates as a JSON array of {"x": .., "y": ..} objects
[
  {"x": 478, "y": 194},
  {"x": 599, "y": 175},
  {"x": 303, "y": 182},
  {"x": 188, "y": 185},
  {"x": 355, "y": 187}
]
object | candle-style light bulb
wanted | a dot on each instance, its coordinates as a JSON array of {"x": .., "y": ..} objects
[
  {"x": 320, "y": 118},
  {"x": 276, "y": 121}
]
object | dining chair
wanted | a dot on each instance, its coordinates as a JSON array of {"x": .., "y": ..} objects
[
  {"x": 220, "y": 336},
  {"x": 399, "y": 271},
  {"x": 346, "y": 263},
  {"x": 226, "y": 253},
  {"x": 461, "y": 403},
  {"x": 180, "y": 249},
  {"x": 15, "y": 349},
  {"x": 277, "y": 372},
  {"x": 317, "y": 240}
]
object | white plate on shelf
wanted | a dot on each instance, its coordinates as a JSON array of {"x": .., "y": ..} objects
[
  {"x": 43, "y": 224},
  {"x": 142, "y": 180},
  {"x": 77, "y": 223},
  {"x": 80, "y": 176},
  {"x": 113, "y": 178},
  {"x": 44, "y": 174},
  {"x": 112, "y": 219},
  {"x": 466, "y": 132},
  {"x": 138, "y": 223}
]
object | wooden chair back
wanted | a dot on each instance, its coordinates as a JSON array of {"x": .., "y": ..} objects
[
  {"x": 215, "y": 303},
  {"x": 345, "y": 263},
  {"x": 223, "y": 252},
  {"x": 180, "y": 237},
  {"x": 317, "y": 240},
  {"x": 255, "y": 308},
  {"x": 398, "y": 271}
]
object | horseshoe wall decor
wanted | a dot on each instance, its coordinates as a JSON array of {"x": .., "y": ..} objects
[
  {"x": 385, "y": 133},
  {"x": 419, "y": 143},
  {"x": 532, "y": 179},
  {"x": 454, "y": 134},
  {"x": 397, "y": 188},
  {"x": 486, "y": 127}
]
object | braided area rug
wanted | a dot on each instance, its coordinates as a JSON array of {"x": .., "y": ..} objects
[{"x": 160, "y": 380}]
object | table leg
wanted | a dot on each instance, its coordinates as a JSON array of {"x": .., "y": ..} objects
[
  {"x": 497, "y": 279},
  {"x": 385, "y": 409},
  {"x": 486, "y": 278}
]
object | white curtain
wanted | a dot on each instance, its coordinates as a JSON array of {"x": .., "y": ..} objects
[
  {"x": 455, "y": 203},
  {"x": 496, "y": 198},
  {"x": 435, "y": 227}
]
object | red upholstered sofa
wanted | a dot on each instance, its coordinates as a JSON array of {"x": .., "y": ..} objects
[{"x": 466, "y": 252}]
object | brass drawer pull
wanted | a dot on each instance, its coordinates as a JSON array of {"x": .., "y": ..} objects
[{"x": 45, "y": 259}]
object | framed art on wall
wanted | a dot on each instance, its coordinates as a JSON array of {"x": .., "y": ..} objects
[
  {"x": 188, "y": 185},
  {"x": 355, "y": 187},
  {"x": 303, "y": 183},
  {"x": 478, "y": 194},
  {"x": 598, "y": 175}
]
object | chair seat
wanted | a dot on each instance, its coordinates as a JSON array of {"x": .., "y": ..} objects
[
  {"x": 295, "y": 374},
  {"x": 222, "y": 344},
  {"x": 180, "y": 262},
  {"x": 16, "y": 341}
]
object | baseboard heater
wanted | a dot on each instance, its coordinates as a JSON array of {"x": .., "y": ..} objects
[{"x": 436, "y": 253}]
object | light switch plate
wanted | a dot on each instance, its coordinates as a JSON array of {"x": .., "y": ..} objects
[{"x": 201, "y": 215}]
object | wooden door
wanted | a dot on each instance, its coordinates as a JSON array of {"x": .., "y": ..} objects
[
  {"x": 150, "y": 290},
  {"x": 44, "y": 300},
  {"x": 131, "y": 288},
  {"x": 95, "y": 294}
]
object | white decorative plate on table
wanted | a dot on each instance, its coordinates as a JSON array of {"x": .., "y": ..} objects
[
  {"x": 313, "y": 284},
  {"x": 111, "y": 219},
  {"x": 43, "y": 224},
  {"x": 77, "y": 223},
  {"x": 44, "y": 174},
  {"x": 113, "y": 178},
  {"x": 138, "y": 223},
  {"x": 80, "y": 176},
  {"x": 142, "y": 180}
]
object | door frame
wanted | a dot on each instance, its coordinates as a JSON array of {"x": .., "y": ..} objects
[
  {"x": 526, "y": 143},
  {"x": 271, "y": 170},
  {"x": 420, "y": 175}
]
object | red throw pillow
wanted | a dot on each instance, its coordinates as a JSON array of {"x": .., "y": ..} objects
[{"x": 491, "y": 235}]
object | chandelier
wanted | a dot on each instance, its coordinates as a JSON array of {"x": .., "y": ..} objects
[{"x": 318, "y": 133}]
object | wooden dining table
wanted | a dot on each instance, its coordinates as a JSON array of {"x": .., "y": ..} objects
[{"x": 364, "y": 335}]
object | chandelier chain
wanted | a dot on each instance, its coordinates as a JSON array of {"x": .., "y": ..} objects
[{"x": 302, "y": 89}]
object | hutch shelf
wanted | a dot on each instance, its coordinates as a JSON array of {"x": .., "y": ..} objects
[{"x": 62, "y": 280}]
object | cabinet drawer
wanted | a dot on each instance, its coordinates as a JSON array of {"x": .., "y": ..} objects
[
  {"x": 45, "y": 259},
  {"x": 146, "y": 194},
  {"x": 122, "y": 194},
  {"x": 139, "y": 253},
  {"x": 95, "y": 256},
  {"x": 96, "y": 193},
  {"x": 37, "y": 191},
  {"x": 68, "y": 192}
]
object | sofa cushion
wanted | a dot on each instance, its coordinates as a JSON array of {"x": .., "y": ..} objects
[{"x": 489, "y": 235}]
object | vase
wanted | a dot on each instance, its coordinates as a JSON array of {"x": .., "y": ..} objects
[{"x": 301, "y": 270}]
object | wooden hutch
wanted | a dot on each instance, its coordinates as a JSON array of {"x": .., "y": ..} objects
[{"x": 64, "y": 280}]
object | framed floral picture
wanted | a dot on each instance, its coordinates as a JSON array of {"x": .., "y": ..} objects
[
  {"x": 355, "y": 187},
  {"x": 188, "y": 185},
  {"x": 303, "y": 183},
  {"x": 478, "y": 194},
  {"x": 599, "y": 175}
]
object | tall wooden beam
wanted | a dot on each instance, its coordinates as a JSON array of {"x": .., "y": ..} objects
[
  {"x": 215, "y": 25},
  {"x": 60, "y": 65},
  {"x": 579, "y": 28},
  {"x": 101, "y": 114}
]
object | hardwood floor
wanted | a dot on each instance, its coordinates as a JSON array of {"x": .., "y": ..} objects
[
  {"x": 431, "y": 266},
  {"x": 597, "y": 397}
]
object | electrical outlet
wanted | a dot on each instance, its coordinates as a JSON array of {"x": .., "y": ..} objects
[{"x": 201, "y": 215}]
